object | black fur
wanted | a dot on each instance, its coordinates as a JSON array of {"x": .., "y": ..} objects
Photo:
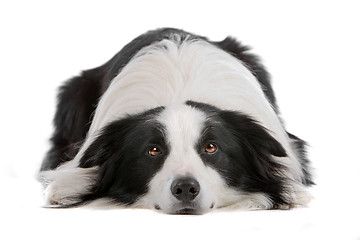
[
  {"x": 77, "y": 101},
  {"x": 300, "y": 146}
]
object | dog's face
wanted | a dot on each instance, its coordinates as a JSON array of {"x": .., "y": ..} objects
[{"x": 187, "y": 158}]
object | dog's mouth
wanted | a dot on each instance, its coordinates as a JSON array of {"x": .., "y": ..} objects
[{"x": 188, "y": 211}]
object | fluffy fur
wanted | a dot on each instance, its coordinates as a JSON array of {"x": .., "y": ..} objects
[{"x": 176, "y": 123}]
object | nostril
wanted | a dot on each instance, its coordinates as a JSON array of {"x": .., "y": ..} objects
[
  {"x": 185, "y": 188},
  {"x": 178, "y": 191},
  {"x": 192, "y": 190}
]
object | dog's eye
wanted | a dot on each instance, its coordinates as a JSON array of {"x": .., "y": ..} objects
[
  {"x": 154, "y": 151},
  {"x": 210, "y": 148}
]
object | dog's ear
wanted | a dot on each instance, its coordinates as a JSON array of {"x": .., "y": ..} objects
[
  {"x": 119, "y": 155},
  {"x": 110, "y": 141},
  {"x": 254, "y": 167},
  {"x": 251, "y": 133},
  {"x": 102, "y": 148},
  {"x": 262, "y": 141},
  {"x": 116, "y": 136}
]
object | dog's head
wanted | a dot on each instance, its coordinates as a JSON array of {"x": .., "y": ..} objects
[{"x": 187, "y": 158}]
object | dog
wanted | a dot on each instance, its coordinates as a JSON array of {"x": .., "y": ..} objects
[{"x": 176, "y": 123}]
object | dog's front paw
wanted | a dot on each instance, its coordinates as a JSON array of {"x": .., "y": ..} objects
[
  {"x": 59, "y": 196},
  {"x": 67, "y": 186}
]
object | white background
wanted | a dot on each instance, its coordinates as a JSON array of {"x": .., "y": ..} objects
[{"x": 311, "y": 48}]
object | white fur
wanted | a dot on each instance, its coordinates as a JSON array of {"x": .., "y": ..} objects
[
  {"x": 67, "y": 183},
  {"x": 169, "y": 73}
]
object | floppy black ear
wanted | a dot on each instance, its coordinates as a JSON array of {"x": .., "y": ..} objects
[
  {"x": 112, "y": 138},
  {"x": 102, "y": 149},
  {"x": 260, "y": 138},
  {"x": 118, "y": 153},
  {"x": 107, "y": 154},
  {"x": 250, "y": 132},
  {"x": 253, "y": 168}
]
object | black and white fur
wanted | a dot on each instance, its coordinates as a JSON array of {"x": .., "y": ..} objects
[{"x": 174, "y": 94}]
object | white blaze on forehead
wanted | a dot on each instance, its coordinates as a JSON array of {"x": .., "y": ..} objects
[{"x": 183, "y": 126}]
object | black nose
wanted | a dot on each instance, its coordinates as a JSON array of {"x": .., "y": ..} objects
[{"x": 185, "y": 188}]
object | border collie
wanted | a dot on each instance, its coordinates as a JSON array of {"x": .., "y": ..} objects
[{"x": 176, "y": 123}]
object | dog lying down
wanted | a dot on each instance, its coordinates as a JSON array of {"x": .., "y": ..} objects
[{"x": 176, "y": 123}]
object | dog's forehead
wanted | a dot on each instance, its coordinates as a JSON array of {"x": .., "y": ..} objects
[{"x": 183, "y": 124}]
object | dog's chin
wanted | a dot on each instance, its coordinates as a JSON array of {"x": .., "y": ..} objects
[{"x": 190, "y": 208}]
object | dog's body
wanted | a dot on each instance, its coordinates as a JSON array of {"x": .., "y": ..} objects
[{"x": 175, "y": 123}]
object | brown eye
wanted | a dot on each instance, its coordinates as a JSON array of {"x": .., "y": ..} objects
[
  {"x": 154, "y": 151},
  {"x": 210, "y": 148}
]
